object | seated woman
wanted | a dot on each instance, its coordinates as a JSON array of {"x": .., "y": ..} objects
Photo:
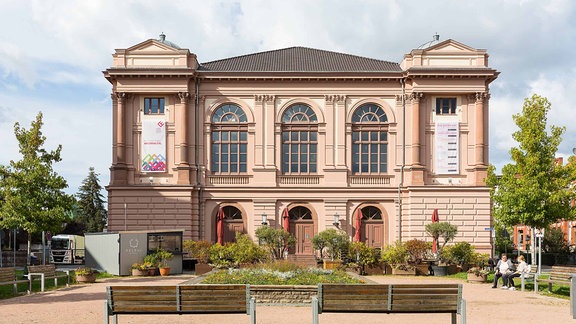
[{"x": 521, "y": 268}]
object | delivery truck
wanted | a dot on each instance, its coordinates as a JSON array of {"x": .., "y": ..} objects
[{"x": 67, "y": 249}]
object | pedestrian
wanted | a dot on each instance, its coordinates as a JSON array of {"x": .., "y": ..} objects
[
  {"x": 504, "y": 266},
  {"x": 521, "y": 268}
]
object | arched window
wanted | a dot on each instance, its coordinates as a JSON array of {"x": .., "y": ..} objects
[
  {"x": 299, "y": 140},
  {"x": 232, "y": 213},
  {"x": 300, "y": 213},
  {"x": 371, "y": 213},
  {"x": 229, "y": 140},
  {"x": 369, "y": 140}
]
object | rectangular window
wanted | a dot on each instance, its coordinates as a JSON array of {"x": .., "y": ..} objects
[
  {"x": 153, "y": 106},
  {"x": 445, "y": 106},
  {"x": 298, "y": 152},
  {"x": 369, "y": 152},
  {"x": 229, "y": 151}
]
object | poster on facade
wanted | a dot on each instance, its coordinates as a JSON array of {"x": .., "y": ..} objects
[
  {"x": 447, "y": 154},
  {"x": 153, "y": 145}
]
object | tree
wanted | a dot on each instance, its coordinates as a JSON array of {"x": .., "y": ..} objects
[
  {"x": 443, "y": 230},
  {"x": 31, "y": 190},
  {"x": 91, "y": 214},
  {"x": 276, "y": 241},
  {"x": 533, "y": 190}
]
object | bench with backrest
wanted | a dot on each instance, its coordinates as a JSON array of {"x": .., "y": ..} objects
[
  {"x": 558, "y": 275},
  {"x": 180, "y": 299},
  {"x": 8, "y": 277},
  {"x": 391, "y": 298},
  {"x": 47, "y": 271}
]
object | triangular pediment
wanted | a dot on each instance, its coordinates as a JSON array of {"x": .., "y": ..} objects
[
  {"x": 152, "y": 46},
  {"x": 450, "y": 46}
]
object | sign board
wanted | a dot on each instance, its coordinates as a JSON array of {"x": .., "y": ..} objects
[{"x": 447, "y": 152}]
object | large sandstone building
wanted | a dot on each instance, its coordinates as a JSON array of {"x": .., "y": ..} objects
[{"x": 300, "y": 138}]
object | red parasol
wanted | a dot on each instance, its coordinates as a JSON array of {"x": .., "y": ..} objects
[
  {"x": 286, "y": 220},
  {"x": 220, "y": 225},
  {"x": 358, "y": 224},
  {"x": 434, "y": 220}
]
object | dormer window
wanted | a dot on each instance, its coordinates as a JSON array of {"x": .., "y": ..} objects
[
  {"x": 445, "y": 106},
  {"x": 153, "y": 106}
]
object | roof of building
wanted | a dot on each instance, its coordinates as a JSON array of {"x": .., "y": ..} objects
[{"x": 300, "y": 59}]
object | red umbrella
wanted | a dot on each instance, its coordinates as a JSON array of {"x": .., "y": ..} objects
[
  {"x": 286, "y": 220},
  {"x": 358, "y": 224},
  {"x": 434, "y": 220},
  {"x": 220, "y": 225}
]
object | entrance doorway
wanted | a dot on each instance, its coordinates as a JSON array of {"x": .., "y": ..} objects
[
  {"x": 372, "y": 233},
  {"x": 302, "y": 227},
  {"x": 232, "y": 223}
]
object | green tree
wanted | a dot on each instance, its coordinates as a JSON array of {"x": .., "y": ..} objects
[
  {"x": 33, "y": 199},
  {"x": 91, "y": 212},
  {"x": 276, "y": 241},
  {"x": 533, "y": 190}
]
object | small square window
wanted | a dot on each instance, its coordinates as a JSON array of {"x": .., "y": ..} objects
[
  {"x": 153, "y": 106},
  {"x": 445, "y": 106}
]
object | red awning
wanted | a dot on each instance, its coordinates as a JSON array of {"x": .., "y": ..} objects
[
  {"x": 220, "y": 225},
  {"x": 434, "y": 220},
  {"x": 358, "y": 225},
  {"x": 286, "y": 220}
]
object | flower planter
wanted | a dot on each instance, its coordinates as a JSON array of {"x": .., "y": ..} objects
[
  {"x": 422, "y": 270},
  {"x": 375, "y": 270},
  {"x": 480, "y": 278},
  {"x": 440, "y": 271},
  {"x": 164, "y": 271},
  {"x": 332, "y": 264},
  {"x": 140, "y": 273},
  {"x": 87, "y": 278},
  {"x": 404, "y": 271}
]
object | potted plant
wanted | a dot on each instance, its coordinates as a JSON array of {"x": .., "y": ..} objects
[
  {"x": 199, "y": 250},
  {"x": 331, "y": 243},
  {"x": 140, "y": 269},
  {"x": 477, "y": 271},
  {"x": 417, "y": 250},
  {"x": 447, "y": 232},
  {"x": 85, "y": 275},
  {"x": 164, "y": 256},
  {"x": 397, "y": 256},
  {"x": 152, "y": 260},
  {"x": 367, "y": 260}
]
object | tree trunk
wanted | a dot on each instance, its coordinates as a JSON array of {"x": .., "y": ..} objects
[{"x": 29, "y": 249}]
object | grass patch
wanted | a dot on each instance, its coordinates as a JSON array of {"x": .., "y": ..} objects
[
  {"x": 279, "y": 273},
  {"x": 7, "y": 291}
]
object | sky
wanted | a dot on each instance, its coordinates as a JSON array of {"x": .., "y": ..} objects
[{"x": 53, "y": 52}]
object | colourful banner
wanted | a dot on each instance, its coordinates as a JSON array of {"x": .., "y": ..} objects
[
  {"x": 153, "y": 145},
  {"x": 447, "y": 147}
]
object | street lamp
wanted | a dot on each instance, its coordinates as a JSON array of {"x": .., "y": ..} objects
[
  {"x": 336, "y": 221},
  {"x": 264, "y": 219}
]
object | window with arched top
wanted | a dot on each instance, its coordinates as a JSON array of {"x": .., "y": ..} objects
[
  {"x": 371, "y": 213},
  {"x": 299, "y": 140},
  {"x": 369, "y": 140},
  {"x": 300, "y": 213},
  {"x": 232, "y": 213},
  {"x": 229, "y": 140}
]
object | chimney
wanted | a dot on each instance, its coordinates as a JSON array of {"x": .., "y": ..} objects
[{"x": 162, "y": 37}]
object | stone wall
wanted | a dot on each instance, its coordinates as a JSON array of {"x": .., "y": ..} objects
[{"x": 280, "y": 295}]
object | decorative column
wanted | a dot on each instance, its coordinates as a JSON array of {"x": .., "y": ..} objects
[
  {"x": 119, "y": 170},
  {"x": 267, "y": 128},
  {"x": 183, "y": 168},
  {"x": 417, "y": 170},
  {"x": 481, "y": 98}
]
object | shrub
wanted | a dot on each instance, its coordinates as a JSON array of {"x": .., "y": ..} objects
[
  {"x": 396, "y": 254},
  {"x": 331, "y": 241},
  {"x": 417, "y": 250},
  {"x": 461, "y": 253},
  {"x": 364, "y": 255},
  {"x": 276, "y": 241},
  {"x": 244, "y": 250},
  {"x": 199, "y": 250}
]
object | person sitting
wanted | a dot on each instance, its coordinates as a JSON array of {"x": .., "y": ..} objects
[
  {"x": 521, "y": 268},
  {"x": 504, "y": 265}
]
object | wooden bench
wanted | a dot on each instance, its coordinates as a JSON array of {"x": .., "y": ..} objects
[
  {"x": 559, "y": 275},
  {"x": 47, "y": 271},
  {"x": 392, "y": 298},
  {"x": 181, "y": 299},
  {"x": 8, "y": 277}
]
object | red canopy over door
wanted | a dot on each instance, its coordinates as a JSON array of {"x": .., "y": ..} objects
[
  {"x": 358, "y": 225},
  {"x": 434, "y": 220},
  {"x": 286, "y": 220}
]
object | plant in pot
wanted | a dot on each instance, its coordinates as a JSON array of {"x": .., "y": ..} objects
[
  {"x": 164, "y": 257},
  {"x": 333, "y": 243},
  {"x": 153, "y": 261},
  {"x": 417, "y": 250},
  {"x": 366, "y": 259},
  {"x": 477, "y": 272},
  {"x": 199, "y": 250},
  {"x": 85, "y": 275},
  {"x": 461, "y": 254},
  {"x": 397, "y": 256},
  {"x": 140, "y": 269},
  {"x": 447, "y": 232}
]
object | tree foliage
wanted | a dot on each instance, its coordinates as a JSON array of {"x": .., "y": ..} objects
[
  {"x": 276, "y": 241},
  {"x": 33, "y": 199},
  {"x": 91, "y": 212},
  {"x": 533, "y": 190},
  {"x": 443, "y": 230}
]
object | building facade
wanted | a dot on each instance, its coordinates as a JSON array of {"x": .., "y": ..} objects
[{"x": 300, "y": 138}]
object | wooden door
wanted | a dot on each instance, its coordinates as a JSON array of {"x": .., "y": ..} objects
[
  {"x": 303, "y": 232},
  {"x": 373, "y": 234},
  {"x": 230, "y": 229}
]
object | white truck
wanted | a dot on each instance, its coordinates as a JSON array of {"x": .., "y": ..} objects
[{"x": 67, "y": 249}]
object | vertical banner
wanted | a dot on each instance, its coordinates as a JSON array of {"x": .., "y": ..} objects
[
  {"x": 153, "y": 145},
  {"x": 447, "y": 153}
]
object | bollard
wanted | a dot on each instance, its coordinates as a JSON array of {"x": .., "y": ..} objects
[{"x": 573, "y": 296}]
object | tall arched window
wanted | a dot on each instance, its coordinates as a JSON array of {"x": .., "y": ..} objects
[
  {"x": 299, "y": 140},
  {"x": 229, "y": 140},
  {"x": 369, "y": 140}
]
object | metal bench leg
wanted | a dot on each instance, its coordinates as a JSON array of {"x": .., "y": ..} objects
[
  {"x": 535, "y": 285},
  {"x": 253, "y": 310},
  {"x": 463, "y": 311},
  {"x": 106, "y": 315},
  {"x": 314, "y": 310}
]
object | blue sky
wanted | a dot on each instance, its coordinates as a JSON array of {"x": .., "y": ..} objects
[{"x": 52, "y": 54}]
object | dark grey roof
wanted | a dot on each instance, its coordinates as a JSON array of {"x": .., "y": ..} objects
[{"x": 300, "y": 59}]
